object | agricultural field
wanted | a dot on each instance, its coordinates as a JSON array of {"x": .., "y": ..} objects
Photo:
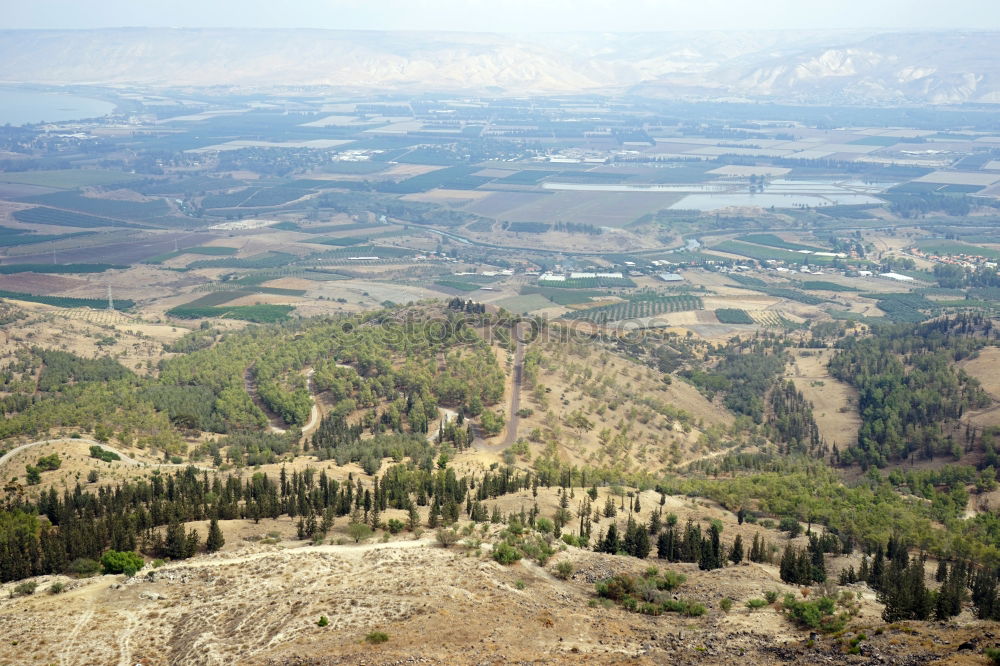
[
  {"x": 764, "y": 253},
  {"x": 904, "y": 306},
  {"x": 64, "y": 218},
  {"x": 563, "y": 296},
  {"x": 524, "y": 303},
  {"x": 208, "y": 250},
  {"x": 733, "y": 316},
  {"x": 68, "y": 179},
  {"x": 458, "y": 285},
  {"x": 7, "y": 269},
  {"x": 770, "y": 240},
  {"x": 259, "y": 314},
  {"x": 637, "y": 306},
  {"x": 946, "y": 247},
  {"x": 67, "y": 302},
  {"x": 825, "y": 285},
  {"x": 103, "y": 207}
]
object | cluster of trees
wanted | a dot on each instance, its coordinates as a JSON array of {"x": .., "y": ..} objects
[
  {"x": 47, "y": 535},
  {"x": 806, "y": 566},
  {"x": 908, "y": 387},
  {"x": 466, "y": 306},
  {"x": 919, "y": 204},
  {"x": 205, "y": 388},
  {"x": 335, "y": 439},
  {"x": 744, "y": 374},
  {"x": 791, "y": 418}
]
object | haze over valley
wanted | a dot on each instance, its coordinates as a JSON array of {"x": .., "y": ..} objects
[{"x": 466, "y": 333}]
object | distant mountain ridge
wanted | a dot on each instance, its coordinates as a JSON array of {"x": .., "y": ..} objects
[{"x": 781, "y": 66}]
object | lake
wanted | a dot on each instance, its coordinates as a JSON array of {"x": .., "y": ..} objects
[{"x": 22, "y": 107}]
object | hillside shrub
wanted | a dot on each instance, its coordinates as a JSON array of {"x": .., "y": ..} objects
[{"x": 126, "y": 562}]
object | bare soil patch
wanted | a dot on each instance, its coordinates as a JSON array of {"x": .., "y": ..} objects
[{"x": 834, "y": 402}]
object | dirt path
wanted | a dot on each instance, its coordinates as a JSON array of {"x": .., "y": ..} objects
[
  {"x": 125, "y": 458},
  {"x": 124, "y": 639},
  {"x": 314, "y": 414},
  {"x": 351, "y": 549},
  {"x": 513, "y": 420},
  {"x": 709, "y": 456}
]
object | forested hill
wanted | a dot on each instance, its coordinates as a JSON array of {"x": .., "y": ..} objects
[
  {"x": 911, "y": 394},
  {"x": 376, "y": 463}
]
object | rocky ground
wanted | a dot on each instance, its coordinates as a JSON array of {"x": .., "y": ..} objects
[{"x": 261, "y": 604}]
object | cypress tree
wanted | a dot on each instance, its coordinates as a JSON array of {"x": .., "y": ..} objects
[
  {"x": 736, "y": 552},
  {"x": 215, "y": 540},
  {"x": 788, "y": 569}
]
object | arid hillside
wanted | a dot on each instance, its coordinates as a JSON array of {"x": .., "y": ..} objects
[{"x": 260, "y": 600}]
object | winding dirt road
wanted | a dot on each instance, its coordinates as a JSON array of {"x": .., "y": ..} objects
[{"x": 125, "y": 458}]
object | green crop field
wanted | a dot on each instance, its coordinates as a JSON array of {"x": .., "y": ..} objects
[
  {"x": 127, "y": 210},
  {"x": 65, "y": 218},
  {"x": 524, "y": 303},
  {"x": 209, "y": 250},
  {"x": 756, "y": 284},
  {"x": 762, "y": 253},
  {"x": 7, "y": 269},
  {"x": 588, "y": 283},
  {"x": 66, "y": 302},
  {"x": 733, "y": 316},
  {"x": 950, "y": 247},
  {"x": 259, "y": 314},
  {"x": 903, "y": 306},
  {"x": 262, "y": 260},
  {"x": 563, "y": 296},
  {"x": 824, "y": 285},
  {"x": 770, "y": 240},
  {"x": 68, "y": 179},
  {"x": 456, "y": 284},
  {"x": 638, "y": 306},
  {"x": 21, "y": 237}
]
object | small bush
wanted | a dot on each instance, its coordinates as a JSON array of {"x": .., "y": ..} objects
[
  {"x": 564, "y": 570},
  {"x": 726, "y": 604},
  {"x": 359, "y": 531},
  {"x": 57, "y": 588},
  {"x": 394, "y": 526},
  {"x": 103, "y": 454},
  {"x": 754, "y": 604},
  {"x": 670, "y": 580},
  {"x": 519, "y": 584},
  {"x": 447, "y": 537},
  {"x": 49, "y": 463},
  {"x": 376, "y": 637},
  {"x": 993, "y": 654},
  {"x": 817, "y": 614},
  {"x": 25, "y": 589},
  {"x": 126, "y": 562},
  {"x": 323, "y": 621},
  {"x": 790, "y": 525},
  {"x": 504, "y": 553},
  {"x": 83, "y": 567},
  {"x": 771, "y": 596}
]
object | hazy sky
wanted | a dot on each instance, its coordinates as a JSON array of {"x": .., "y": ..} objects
[{"x": 507, "y": 15}]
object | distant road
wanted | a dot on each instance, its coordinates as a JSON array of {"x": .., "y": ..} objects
[
  {"x": 515, "y": 395},
  {"x": 513, "y": 420}
]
